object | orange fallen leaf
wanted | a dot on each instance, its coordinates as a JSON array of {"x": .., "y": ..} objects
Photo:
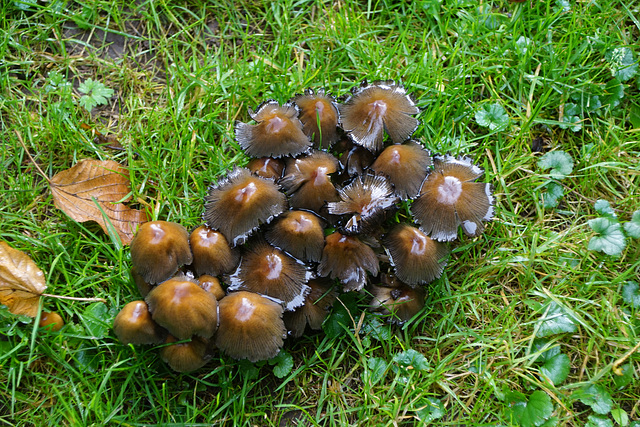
[
  {"x": 92, "y": 187},
  {"x": 21, "y": 281}
]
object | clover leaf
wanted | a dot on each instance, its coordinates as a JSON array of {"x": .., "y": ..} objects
[
  {"x": 493, "y": 116},
  {"x": 610, "y": 238}
]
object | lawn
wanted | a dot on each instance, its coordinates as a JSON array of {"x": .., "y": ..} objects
[{"x": 535, "y": 322}]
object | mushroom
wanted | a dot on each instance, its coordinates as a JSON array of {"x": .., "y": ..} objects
[
  {"x": 308, "y": 183},
  {"x": 348, "y": 259},
  {"x": 269, "y": 271},
  {"x": 374, "y": 108},
  {"x": 356, "y": 160},
  {"x": 211, "y": 252},
  {"x": 158, "y": 249},
  {"x": 449, "y": 197},
  {"x": 299, "y": 233},
  {"x": 183, "y": 308},
  {"x": 212, "y": 285},
  {"x": 368, "y": 199},
  {"x": 417, "y": 258},
  {"x": 317, "y": 305},
  {"x": 240, "y": 203},
  {"x": 278, "y": 132},
  {"x": 267, "y": 167},
  {"x": 134, "y": 325},
  {"x": 185, "y": 356},
  {"x": 51, "y": 320},
  {"x": 397, "y": 300},
  {"x": 251, "y": 326},
  {"x": 143, "y": 287},
  {"x": 406, "y": 166},
  {"x": 319, "y": 116}
]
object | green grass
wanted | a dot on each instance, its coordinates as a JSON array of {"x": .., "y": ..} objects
[{"x": 183, "y": 72}]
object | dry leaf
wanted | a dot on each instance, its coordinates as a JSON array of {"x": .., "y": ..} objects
[
  {"x": 21, "y": 281},
  {"x": 91, "y": 183}
]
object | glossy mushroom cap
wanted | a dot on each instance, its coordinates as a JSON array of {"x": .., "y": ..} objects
[
  {"x": 211, "y": 252},
  {"x": 278, "y": 132},
  {"x": 417, "y": 258},
  {"x": 51, "y": 320},
  {"x": 267, "y": 167},
  {"x": 251, "y": 327},
  {"x": 185, "y": 356},
  {"x": 240, "y": 203},
  {"x": 319, "y": 116},
  {"x": 183, "y": 308},
  {"x": 367, "y": 199},
  {"x": 348, "y": 259},
  {"x": 406, "y": 166},
  {"x": 134, "y": 325},
  {"x": 299, "y": 233},
  {"x": 397, "y": 300},
  {"x": 143, "y": 287},
  {"x": 158, "y": 249},
  {"x": 374, "y": 108},
  {"x": 316, "y": 308},
  {"x": 449, "y": 197},
  {"x": 308, "y": 183},
  {"x": 269, "y": 271},
  {"x": 212, "y": 285}
]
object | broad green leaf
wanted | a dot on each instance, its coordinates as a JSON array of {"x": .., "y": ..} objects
[
  {"x": 571, "y": 122},
  {"x": 620, "y": 416},
  {"x": 493, "y": 116},
  {"x": 621, "y": 381},
  {"x": 96, "y": 320},
  {"x": 598, "y": 421},
  {"x": 603, "y": 207},
  {"x": 96, "y": 93},
  {"x": 522, "y": 45},
  {"x": 411, "y": 359},
  {"x": 610, "y": 238},
  {"x": 529, "y": 412},
  {"x": 377, "y": 368},
  {"x": 430, "y": 409},
  {"x": 623, "y": 65},
  {"x": 633, "y": 227},
  {"x": 555, "y": 321},
  {"x": 283, "y": 364},
  {"x": 556, "y": 368},
  {"x": 554, "y": 193},
  {"x": 631, "y": 294},
  {"x": 614, "y": 92},
  {"x": 596, "y": 397},
  {"x": 344, "y": 311},
  {"x": 571, "y": 109},
  {"x": 561, "y": 163},
  {"x": 373, "y": 327}
]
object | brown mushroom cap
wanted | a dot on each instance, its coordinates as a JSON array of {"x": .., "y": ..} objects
[
  {"x": 417, "y": 258},
  {"x": 269, "y": 271},
  {"x": 316, "y": 308},
  {"x": 240, "y": 203},
  {"x": 211, "y": 252},
  {"x": 348, "y": 259},
  {"x": 183, "y": 308},
  {"x": 51, "y": 320},
  {"x": 267, "y": 167},
  {"x": 185, "y": 356},
  {"x": 299, "y": 233},
  {"x": 212, "y": 285},
  {"x": 278, "y": 132},
  {"x": 397, "y": 300},
  {"x": 134, "y": 325},
  {"x": 449, "y": 197},
  {"x": 158, "y": 249},
  {"x": 143, "y": 287},
  {"x": 406, "y": 165},
  {"x": 374, "y": 108},
  {"x": 251, "y": 327},
  {"x": 319, "y": 116}
]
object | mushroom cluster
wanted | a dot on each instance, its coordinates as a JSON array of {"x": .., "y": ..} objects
[{"x": 336, "y": 197}]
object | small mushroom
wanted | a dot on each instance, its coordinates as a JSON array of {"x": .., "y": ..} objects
[
  {"x": 240, "y": 203},
  {"x": 317, "y": 305},
  {"x": 51, "y": 320},
  {"x": 134, "y": 325},
  {"x": 183, "y": 308},
  {"x": 212, "y": 285},
  {"x": 449, "y": 197},
  {"x": 267, "y": 167},
  {"x": 278, "y": 132},
  {"x": 319, "y": 116},
  {"x": 269, "y": 271},
  {"x": 374, "y": 108},
  {"x": 143, "y": 287},
  {"x": 356, "y": 161},
  {"x": 348, "y": 259},
  {"x": 397, "y": 300},
  {"x": 185, "y": 356},
  {"x": 406, "y": 166},
  {"x": 211, "y": 252},
  {"x": 299, "y": 233},
  {"x": 251, "y": 327},
  {"x": 158, "y": 249}
]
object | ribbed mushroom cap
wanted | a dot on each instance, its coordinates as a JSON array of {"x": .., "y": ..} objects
[
  {"x": 367, "y": 199},
  {"x": 158, "y": 249},
  {"x": 397, "y": 300},
  {"x": 299, "y": 233},
  {"x": 278, "y": 132},
  {"x": 183, "y": 308},
  {"x": 185, "y": 356},
  {"x": 348, "y": 259},
  {"x": 374, "y": 108},
  {"x": 267, "y": 167},
  {"x": 240, "y": 203},
  {"x": 308, "y": 183},
  {"x": 212, "y": 285},
  {"x": 449, "y": 197},
  {"x": 134, "y": 325},
  {"x": 417, "y": 258},
  {"x": 251, "y": 327},
  {"x": 356, "y": 160},
  {"x": 316, "y": 308},
  {"x": 211, "y": 252},
  {"x": 406, "y": 166},
  {"x": 269, "y": 271},
  {"x": 319, "y": 116}
]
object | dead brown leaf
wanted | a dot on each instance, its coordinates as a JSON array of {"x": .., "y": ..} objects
[
  {"x": 92, "y": 186},
  {"x": 21, "y": 281}
]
